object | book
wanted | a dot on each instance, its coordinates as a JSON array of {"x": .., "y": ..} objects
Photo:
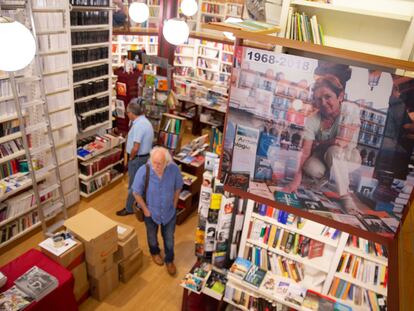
[
  {"x": 282, "y": 288},
  {"x": 244, "y": 149},
  {"x": 295, "y": 294},
  {"x": 36, "y": 283},
  {"x": 269, "y": 284},
  {"x": 215, "y": 285},
  {"x": 14, "y": 299},
  {"x": 255, "y": 276},
  {"x": 192, "y": 283},
  {"x": 240, "y": 267},
  {"x": 315, "y": 249}
]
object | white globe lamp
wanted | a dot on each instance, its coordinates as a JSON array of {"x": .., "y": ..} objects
[
  {"x": 18, "y": 46},
  {"x": 229, "y": 35},
  {"x": 175, "y": 31},
  {"x": 139, "y": 12},
  {"x": 189, "y": 7}
]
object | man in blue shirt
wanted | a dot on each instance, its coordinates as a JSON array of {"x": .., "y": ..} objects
[
  {"x": 159, "y": 208},
  {"x": 138, "y": 147}
]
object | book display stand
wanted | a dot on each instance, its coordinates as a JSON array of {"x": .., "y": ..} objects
[
  {"x": 171, "y": 132},
  {"x": 352, "y": 219}
]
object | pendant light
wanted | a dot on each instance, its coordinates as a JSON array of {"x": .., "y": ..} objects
[
  {"x": 18, "y": 46},
  {"x": 139, "y": 12},
  {"x": 175, "y": 31},
  {"x": 189, "y": 7}
]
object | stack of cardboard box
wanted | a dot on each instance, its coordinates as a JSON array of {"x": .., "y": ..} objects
[
  {"x": 129, "y": 255},
  {"x": 98, "y": 233},
  {"x": 74, "y": 260}
]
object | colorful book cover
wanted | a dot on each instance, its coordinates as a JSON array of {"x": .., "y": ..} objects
[
  {"x": 255, "y": 276},
  {"x": 282, "y": 288},
  {"x": 244, "y": 150},
  {"x": 295, "y": 294},
  {"x": 192, "y": 283},
  {"x": 240, "y": 267},
  {"x": 316, "y": 249}
]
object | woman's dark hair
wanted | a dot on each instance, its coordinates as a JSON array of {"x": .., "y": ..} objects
[
  {"x": 341, "y": 71},
  {"x": 330, "y": 82}
]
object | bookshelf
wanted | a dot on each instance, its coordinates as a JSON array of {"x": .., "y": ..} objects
[
  {"x": 32, "y": 175},
  {"x": 356, "y": 25},
  {"x": 121, "y": 44},
  {"x": 55, "y": 56},
  {"x": 339, "y": 261},
  {"x": 92, "y": 71},
  {"x": 101, "y": 162},
  {"x": 170, "y": 132}
]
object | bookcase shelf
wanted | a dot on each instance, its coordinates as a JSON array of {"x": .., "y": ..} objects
[
  {"x": 380, "y": 260},
  {"x": 378, "y": 289},
  {"x": 10, "y": 137},
  {"x": 91, "y": 63},
  {"x": 12, "y": 156},
  {"x": 87, "y": 178},
  {"x": 116, "y": 178}
]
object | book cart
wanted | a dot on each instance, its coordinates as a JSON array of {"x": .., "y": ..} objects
[{"x": 381, "y": 246}]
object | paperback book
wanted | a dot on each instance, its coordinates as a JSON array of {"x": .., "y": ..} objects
[
  {"x": 14, "y": 299},
  {"x": 36, "y": 283}
]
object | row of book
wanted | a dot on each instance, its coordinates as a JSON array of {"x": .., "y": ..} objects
[
  {"x": 22, "y": 223},
  {"x": 49, "y": 20},
  {"x": 90, "y": 88},
  {"x": 99, "y": 182},
  {"x": 19, "y": 204},
  {"x": 207, "y": 64},
  {"x": 52, "y": 42},
  {"x": 278, "y": 265},
  {"x": 97, "y": 144},
  {"x": 10, "y": 167},
  {"x": 275, "y": 287},
  {"x": 89, "y": 18},
  {"x": 10, "y": 147},
  {"x": 367, "y": 247},
  {"x": 9, "y": 127},
  {"x": 234, "y": 10},
  {"x": 89, "y": 2},
  {"x": 92, "y": 104},
  {"x": 89, "y": 55},
  {"x": 363, "y": 270},
  {"x": 285, "y": 240},
  {"x": 301, "y": 27},
  {"x": 207, "y": 52},
  {"x": 90, "y": 72},
  {"x": 86, "y": 37},
  {"x": 359, "y": 296},
  {"x": 172, "y": 126},
  {"x": 212, "y": 8},
  {"x": 168, "y": 140},
  {"x": 98, "y": 118},
  {"x": 99, "y": 163}
]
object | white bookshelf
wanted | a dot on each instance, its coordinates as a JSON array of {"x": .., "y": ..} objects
[
  {"x": 327, "y": 263},
  {"x": 384, "y": 28}
]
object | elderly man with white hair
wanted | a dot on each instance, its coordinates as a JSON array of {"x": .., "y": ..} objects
[{"x": 159, "y": 208}]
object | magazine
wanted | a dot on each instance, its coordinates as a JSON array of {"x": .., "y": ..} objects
[
  {"x": 36, "y": 283},
  {"x": 14, "y": 299}
]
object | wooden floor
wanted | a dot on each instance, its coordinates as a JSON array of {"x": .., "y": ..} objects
[{"x": 153, "y": 289}]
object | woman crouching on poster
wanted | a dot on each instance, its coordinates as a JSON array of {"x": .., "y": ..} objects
[{"x": 330, "y": 140}]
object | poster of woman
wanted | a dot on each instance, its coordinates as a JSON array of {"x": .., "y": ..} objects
[{"x": 332, "y": 139}]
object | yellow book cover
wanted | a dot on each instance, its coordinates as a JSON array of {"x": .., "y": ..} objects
[{"x": 272, "y": 236}]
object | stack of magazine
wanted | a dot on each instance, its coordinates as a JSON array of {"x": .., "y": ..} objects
[{"x": 36, "y": 283}]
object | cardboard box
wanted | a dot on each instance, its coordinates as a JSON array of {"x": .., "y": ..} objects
[
  {"x": 125, "y": 249},
  {"x": 97, "y": 232},
  {"x": 128, "y": 267},
  {"x": 97, "y": 269},
  {"x": 81, "y": 281},
  {"x": 124, "y": 232},
  {"x": 69, "y": 259},
  {"x": 103, "y": 286}
]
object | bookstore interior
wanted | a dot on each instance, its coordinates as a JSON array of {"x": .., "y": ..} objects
[{"x": 270, "y": 140}]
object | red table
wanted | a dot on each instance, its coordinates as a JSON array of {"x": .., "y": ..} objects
[{"x": 61, "y": 298}]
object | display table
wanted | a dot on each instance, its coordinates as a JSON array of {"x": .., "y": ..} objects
[{"x": 62, "y": 298}]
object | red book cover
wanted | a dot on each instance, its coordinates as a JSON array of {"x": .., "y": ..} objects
[{"x": 316, "y": 249}]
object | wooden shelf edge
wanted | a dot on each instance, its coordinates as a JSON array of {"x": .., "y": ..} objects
[
  {"x": 314, "y": 48},
  {"x": 382, "y": 239}
]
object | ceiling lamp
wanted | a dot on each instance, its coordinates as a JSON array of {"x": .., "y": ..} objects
[
  {"x": 189, "y": 7},
  {"x": 175, "y": 31},
  {"x": 139, "y": 12},
  {"x": 229, "y": 35},
  {"x": 18, "y": 46}
]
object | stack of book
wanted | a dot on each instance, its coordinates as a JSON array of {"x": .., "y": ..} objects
[
  {"x": 301, "y": 27},
  {"x": 36, "y": 283}
]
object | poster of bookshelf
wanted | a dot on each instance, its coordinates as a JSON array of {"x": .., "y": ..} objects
[{"x": 326, "y": 138}]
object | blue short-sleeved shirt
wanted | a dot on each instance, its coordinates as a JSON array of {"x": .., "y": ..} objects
[
  {"x": 160, "y": 192},
  {"x": 140, "y": 132}
]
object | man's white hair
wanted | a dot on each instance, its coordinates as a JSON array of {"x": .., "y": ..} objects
[{"x": 157, "y": 149}]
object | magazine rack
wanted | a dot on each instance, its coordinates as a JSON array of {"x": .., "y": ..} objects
[{"x": 375, "y": 63}]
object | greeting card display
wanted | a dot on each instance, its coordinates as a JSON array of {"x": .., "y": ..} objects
[{"x": 327, "y": 138}]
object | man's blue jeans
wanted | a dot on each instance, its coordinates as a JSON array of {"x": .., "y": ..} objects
[
  {"x": 167, "y": 232},
  {"x": 133, "y": 167}
]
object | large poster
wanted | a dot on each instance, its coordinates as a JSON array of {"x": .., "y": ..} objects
[{"x": 332, "y": 139}]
